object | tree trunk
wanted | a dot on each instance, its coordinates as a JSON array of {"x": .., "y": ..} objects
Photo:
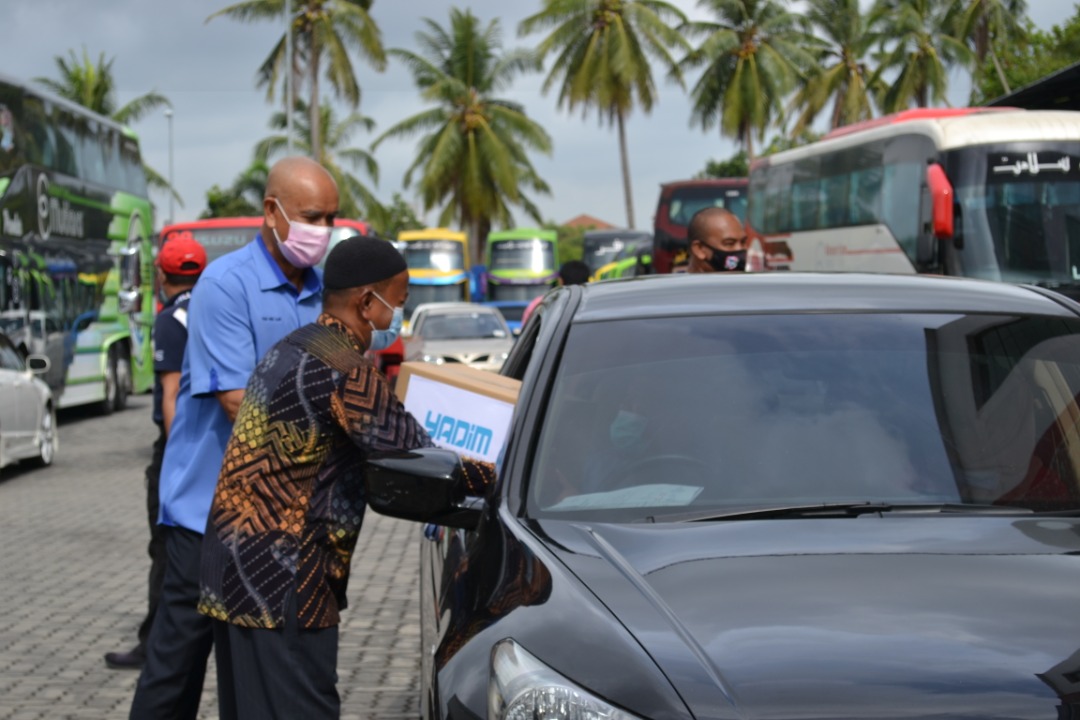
[
  {"x": 748, "y": 143},
  {"x": 1000, "y": 71},
  {"x": 476, "y": 243},
  {"x": 314, "y": 107},
  {"x": 624, "y": 156}
]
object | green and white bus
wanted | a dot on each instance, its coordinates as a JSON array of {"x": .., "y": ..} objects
[{"x": 76, "y": 273}]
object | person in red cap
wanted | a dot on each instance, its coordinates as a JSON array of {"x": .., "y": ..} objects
[{"x": 179, "y": 263}]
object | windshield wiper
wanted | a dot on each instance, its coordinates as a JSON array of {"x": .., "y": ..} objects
[{"x": 849, "y": 510}]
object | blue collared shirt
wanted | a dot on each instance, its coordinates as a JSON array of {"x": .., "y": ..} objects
[{"x": 240, "y": 308}]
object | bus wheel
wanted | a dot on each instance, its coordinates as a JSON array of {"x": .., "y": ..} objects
[
  {"x": 123, "y": 380},
  {"x": 108, "y": 404}
]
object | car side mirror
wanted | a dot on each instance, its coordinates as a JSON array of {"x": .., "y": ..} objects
[
  {"x": 38, "y": 364},
  {"x": 426, "y": 485}
]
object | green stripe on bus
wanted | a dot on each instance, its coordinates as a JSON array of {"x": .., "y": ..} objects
[{"x": 85, "y": 381}]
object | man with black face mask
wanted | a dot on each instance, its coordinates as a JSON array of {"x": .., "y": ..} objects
[{"x": 717, "y": 242}]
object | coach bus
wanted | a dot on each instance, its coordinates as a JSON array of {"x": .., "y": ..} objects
[
  {"x": 75, "y": 247},
  {"x": 679, "y": 201},
  {"x": 521, "y": 263},
  {"x": 438, "y": 266},
  {"x": 978, "y": 192},
  {"x": 603, "y": 247}
]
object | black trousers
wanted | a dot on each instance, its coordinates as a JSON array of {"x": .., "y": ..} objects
[
  {"x": 180, "y": 640},
  {"x": 156, "y": 548},
  {"x": 282, "y": 674}
]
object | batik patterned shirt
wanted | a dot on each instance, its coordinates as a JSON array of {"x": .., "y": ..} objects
[{"x": 290, "y": 498}]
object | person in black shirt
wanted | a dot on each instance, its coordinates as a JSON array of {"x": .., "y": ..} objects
[{"x": 179, "y": 264}]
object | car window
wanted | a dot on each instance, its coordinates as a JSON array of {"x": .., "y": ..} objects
[
  {"x": 10, "y": 358},
  {"x": 656, "y": 415}
]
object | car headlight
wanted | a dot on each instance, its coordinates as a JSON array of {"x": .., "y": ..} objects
[
  {"x": 523, "y": 688},
  {"x": 437, "y": 359}
]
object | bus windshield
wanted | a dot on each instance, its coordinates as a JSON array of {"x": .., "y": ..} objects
[
  {"x": 1019, "y": 213},
  {"x": 686, "y": 201},
  {"x": 217, "y": 240},
  {"x": 442, "y": 255},
  {"x": 603, "y": 248},
  {"x": 535, "y": 255}
]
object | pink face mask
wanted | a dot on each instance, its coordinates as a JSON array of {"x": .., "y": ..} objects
[{"x": 306, "y": 244}]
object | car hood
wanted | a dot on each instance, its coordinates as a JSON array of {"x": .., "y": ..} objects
[{"x": 849, "y": 618}]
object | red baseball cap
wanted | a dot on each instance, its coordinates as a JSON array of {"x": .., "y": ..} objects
[{"x": 181, "y": 255}]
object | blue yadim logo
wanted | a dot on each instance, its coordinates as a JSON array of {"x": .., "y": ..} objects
[{"x": 459, "y": 433}]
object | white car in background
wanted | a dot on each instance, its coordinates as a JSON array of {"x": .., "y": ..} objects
[
  {"x": 27, "y": 412},
  {"x": 466, "y": 333}
]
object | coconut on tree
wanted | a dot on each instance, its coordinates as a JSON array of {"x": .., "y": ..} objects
[
  {"x": 473, "y": 158},
  {"x": 841, "y": 72},
  {"x": 336, "y": 152},
  {"x": 751, "y": 54},
  {"x": 325, "y": 33},
  {"x": 603, "y": 52}
]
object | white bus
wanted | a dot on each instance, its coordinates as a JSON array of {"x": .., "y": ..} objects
[{"x": 976, "y": 192}]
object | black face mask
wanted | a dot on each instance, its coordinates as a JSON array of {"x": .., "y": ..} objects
[{"x": 724, "y": 261}]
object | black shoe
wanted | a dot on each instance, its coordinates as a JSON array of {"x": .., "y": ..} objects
[{"x": 131, "y": 660}]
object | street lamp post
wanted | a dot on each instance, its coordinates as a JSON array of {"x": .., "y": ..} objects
[
  {"x": 168, "y": 116},
  {"x": 288, "y": 79}
]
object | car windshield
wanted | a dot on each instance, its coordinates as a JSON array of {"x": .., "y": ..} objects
[
  {"x": 685, "y": 414},
  {"x": 462, "y": 326},
  {"x": 512, "y": 313}
]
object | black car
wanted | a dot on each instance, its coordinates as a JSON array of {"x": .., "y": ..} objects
[{"x": 766, "y": 496}]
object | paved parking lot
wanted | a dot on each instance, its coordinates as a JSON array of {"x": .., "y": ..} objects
[{"x": 73, "y": 585}]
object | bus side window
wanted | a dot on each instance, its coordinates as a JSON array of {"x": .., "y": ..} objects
[
  {"x": 834, "y": 193},
  {"x": 91, "y": 157},
  {"x": 110, "y": 150},
  {"x": 134, "y": 177},
  {"x": 865, "y": 196},
  {"x": 67, "y": 142},
  {"x": 900, "y": 206}
]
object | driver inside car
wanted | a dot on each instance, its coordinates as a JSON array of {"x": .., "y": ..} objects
[{"x": 609, "y": 447}]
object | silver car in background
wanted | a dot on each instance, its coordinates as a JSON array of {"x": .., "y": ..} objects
[
  {"x": 465, "y": 333},
  {"x": 27, "y": 412}
]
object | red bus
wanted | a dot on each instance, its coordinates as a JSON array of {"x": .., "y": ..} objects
[
  {"x": 678, "y": 203},
  {"x": 223, "y": 235}
]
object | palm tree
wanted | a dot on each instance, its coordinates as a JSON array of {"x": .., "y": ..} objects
[
  {"x": 92, "y": 85},
  {"x": 336, "y": 154},
  {"x": 840, "y": 72},
  {"x": 921, "y": 45},
  {"x": 981, "y": 22},
  {"x": 602, "y": 54},
  {"x": 322, "y": 29},
  {"x": 473, "y": 156},
  {"x": 753, "y": 52}
]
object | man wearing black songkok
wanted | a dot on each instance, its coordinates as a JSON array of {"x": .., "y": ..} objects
[{"x": 290, "y": 498}]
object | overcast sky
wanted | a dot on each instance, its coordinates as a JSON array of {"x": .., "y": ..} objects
[{"x": 208, "y": 72}]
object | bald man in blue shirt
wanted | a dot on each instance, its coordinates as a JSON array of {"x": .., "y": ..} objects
[{"x": 244, "y": 304}]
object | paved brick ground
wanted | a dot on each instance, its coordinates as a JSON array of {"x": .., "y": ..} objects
[{"x": 73, "y": 584}]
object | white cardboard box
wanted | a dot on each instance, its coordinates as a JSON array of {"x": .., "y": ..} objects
[{"x": 462, "y": 408}]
